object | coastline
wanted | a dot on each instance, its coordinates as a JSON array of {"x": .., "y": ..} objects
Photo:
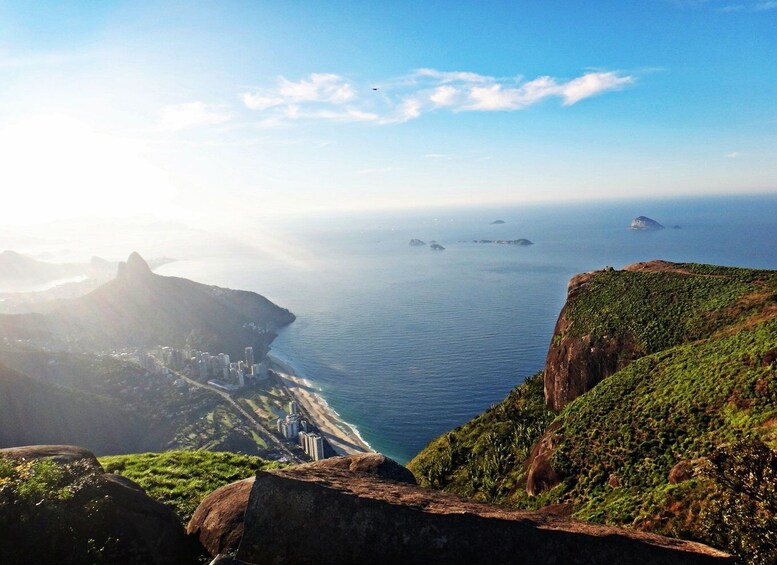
[{"x": 341, "y": 436}]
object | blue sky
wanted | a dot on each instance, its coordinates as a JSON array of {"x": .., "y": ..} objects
[{"x": 192, "y": 108}]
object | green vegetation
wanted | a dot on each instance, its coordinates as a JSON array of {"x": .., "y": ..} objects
[
  {"x": 67, "y": 499},
  {"x": 182, "y": 479},
  {"x": 657, "y": 310},
  {"x": 482, "y": 459},
  {"x": 704, "y": 393}
]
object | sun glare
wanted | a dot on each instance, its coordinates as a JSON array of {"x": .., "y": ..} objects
[{"x": 59, "y": 167}]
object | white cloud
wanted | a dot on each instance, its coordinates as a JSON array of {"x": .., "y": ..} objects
[
  {"x": 592, "y": 84},
  {"x": 192, "y": 114},
  {"x": 444, "y": 95},
  {"x": 319, "y": 87},
  {"x": 733, "y": 155},
  {"x": 331, "y": 97},
  {"x": 456, "y": 76}
]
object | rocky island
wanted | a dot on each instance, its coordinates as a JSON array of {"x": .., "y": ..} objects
[
  {"x": 436, "y": 247},
  {"x": 496, "y": 222},
  {"x": 417, "y": 243},
  {"x": 521, "y": 242},
  {"x": 643, "y": 223}
]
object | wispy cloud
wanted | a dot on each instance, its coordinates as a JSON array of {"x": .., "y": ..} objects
[
  {"x": 319, "y": 87},
  {"x": 733, "y": 155},
  {"x": 332, "y": 97},
  {"x": 192, "y": 114}
]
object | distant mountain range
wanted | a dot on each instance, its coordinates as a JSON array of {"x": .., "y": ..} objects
[{"x": 141, "y": 309}]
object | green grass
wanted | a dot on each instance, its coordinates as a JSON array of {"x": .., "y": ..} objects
[
  {"x": 182, "y": 479},
  {"x": 482, "y": 459},
  {"x": 658, "y": 310}
]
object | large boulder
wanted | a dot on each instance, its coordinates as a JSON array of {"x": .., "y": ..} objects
[
  {"x": 320, "y": 513},
  {"x": 73, "y": 512},
  {"x": 218, "y": 520},
  {"x": 57, "y": 453}
]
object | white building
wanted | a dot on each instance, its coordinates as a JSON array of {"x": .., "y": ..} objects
[{"x": 313, "y": 444}]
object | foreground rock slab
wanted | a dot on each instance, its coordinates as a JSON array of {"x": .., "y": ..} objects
[
  {"x": 318, "y": 513},
  {"x": 218, "y": 520}
]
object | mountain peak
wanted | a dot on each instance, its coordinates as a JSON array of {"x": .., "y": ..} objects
[{"x": 135, "y": 266}]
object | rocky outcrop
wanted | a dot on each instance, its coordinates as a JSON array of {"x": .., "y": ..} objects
[
  {"x": 542, "y": 476},
  {"x": 218, "y": 520},
  {"x": 105, "y": 518},
  {"x": 57, "y": 453},
  {"x": 327, "y": 513},
  {"x": 643, "y": 223},
  {"x": 575, "y": 364}
]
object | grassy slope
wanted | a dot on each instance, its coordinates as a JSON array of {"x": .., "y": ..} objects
[
  {"x": 691, "y": 399},
  {"x": 483, "y": 458},
  {"x": 183, "y": 478},
  {"x": 658, "y": 310}
]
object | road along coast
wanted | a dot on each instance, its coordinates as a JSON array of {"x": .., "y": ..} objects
[{"x": 343, "y": 438}]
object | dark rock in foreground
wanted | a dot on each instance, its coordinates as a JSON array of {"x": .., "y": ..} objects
[
  {"x": 218, "y": 520},
  {"x": 325, "y": 513},
  {"x": 106, "y": 518},
  {"x": 643, "y": 223},
  {"x": 57, "y": 453}
]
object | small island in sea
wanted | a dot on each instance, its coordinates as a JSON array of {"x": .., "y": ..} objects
[
  {"x": 495, "y": 222},
  {"x": 436, "y": 247},
  {"x": 417, "y": 242},
  {"x": 643, "y": 223},
  {"x": 522, "y": 241}
]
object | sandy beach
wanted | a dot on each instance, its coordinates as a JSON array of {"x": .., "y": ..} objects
[{"x": 338, "y": 433}]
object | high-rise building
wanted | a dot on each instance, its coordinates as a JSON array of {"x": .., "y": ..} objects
[
  {"x": 250, "y": 356},
  {"x": 312, "y": 444},
  {"x": 293, "y": 407}
]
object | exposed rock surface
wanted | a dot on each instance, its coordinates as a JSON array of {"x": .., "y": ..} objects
[
  {"x": 57, "y": 453},
  {"x": 326, "y": 513},
  {"x": 574, "y": 365},
  {"x": 643, "y": 223},
  {"x": 542, "y": 476},
  {"x": 218, "y": 520},
  {"x": 684, "y": 470}
]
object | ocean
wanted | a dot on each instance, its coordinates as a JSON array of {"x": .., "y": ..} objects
[{"x": 406, "y": 343}]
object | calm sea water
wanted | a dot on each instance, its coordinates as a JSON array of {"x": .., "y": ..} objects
[{"x": 407, "y": 343}]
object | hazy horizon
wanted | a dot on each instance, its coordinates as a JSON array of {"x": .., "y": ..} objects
[{"x": 204, "y": 113}]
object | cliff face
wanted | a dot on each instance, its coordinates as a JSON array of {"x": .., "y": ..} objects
[
  {"x": 611, "y": 318},
  {"x": 575, "y": 364},
  {"x": 662, "y": 378}
]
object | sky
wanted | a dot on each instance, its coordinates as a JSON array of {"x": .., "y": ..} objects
[{"x": 213, "y": 112}]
